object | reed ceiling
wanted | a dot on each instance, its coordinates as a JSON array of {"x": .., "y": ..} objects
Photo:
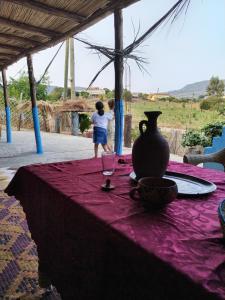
[{"x": 30, "y": 26}]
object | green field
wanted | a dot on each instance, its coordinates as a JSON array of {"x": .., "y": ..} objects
[{"x": 175, "y": 115}]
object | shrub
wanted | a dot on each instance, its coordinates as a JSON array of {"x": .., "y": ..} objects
[
  {"x": 204, "y": 136},
  {"x": 85, "y": 122},
  {"x": 195, "y": 138},
  {"x": 213, "y": 129},
  {"x": 191, "y": 138},
  {"x": 212, "y": 103},
  {"x": 205, "y": 104}
]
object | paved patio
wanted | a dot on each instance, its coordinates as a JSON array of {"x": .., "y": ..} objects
[{"x": 57, "y": 147}]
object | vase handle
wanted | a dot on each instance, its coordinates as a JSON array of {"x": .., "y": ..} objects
[{"x": 144, "y": 122}]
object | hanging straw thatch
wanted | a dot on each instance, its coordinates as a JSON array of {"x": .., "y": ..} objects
[
  {"x": 42, "y": 106},
  {"x": 45, "y": 109},
  {"x": 73, "y": 105}
]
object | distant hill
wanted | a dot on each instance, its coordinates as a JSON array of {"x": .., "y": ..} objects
[
  {"x": 191, "y": 90},
  {"x": 52, "y": 87}
]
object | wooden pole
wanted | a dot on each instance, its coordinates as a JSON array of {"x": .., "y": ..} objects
[
  {"x": 74, "y": 114},
  {"x": 127, "y": 130},
  {"x": 7, "y": 107},
  {"x": 66, "y": 70},
  {"x": 34, "y": 105},
  {"x": 72, "y": 81},
  {"x": 61, "y": 118},
  {"x": 118, "y": 65}
]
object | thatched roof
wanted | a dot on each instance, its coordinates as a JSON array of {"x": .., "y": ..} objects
[
  {"x": 73, "y": 105},
  {"x": 42, "y": 105},
  {"x": 29, "y": 26}
]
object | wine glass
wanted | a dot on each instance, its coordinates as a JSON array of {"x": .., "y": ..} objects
[
  {"x": 108, "y": 163},
  {"x": 108, "y": 168}
]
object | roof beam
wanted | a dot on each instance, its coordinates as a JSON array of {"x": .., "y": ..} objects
[
  {"x": 10, "y": 47},
  {"x": 4, "y": 57},
  {"x": 7, "y": 53},
  {"x": 47, "y": 9},
  {"x": 28, "y": 28},
  {"x": 3, "y": 61},
  {"x": 94, "y": 18},
  {"x": 20, "y": 39}
]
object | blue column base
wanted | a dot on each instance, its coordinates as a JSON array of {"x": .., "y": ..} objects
[
  {"x": 119, "y": 123},
  {"x": 37, "y": 130},
  {"x": 8, "y": 125}
]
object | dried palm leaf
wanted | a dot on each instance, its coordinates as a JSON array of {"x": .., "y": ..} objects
[
  {"x": 42, "y": 106},
  {"x": 73, "y": 105},
  {"x": 172, "y": 13}
]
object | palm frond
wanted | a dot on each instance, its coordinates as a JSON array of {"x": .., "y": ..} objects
[{"x": 172, "y": 14}]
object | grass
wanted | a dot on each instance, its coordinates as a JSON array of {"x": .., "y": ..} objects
[{"x": 175, "y": 115}]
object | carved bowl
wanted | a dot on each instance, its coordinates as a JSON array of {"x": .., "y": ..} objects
[{"x": 154, "y": 192}]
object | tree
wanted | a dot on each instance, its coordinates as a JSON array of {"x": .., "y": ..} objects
[
  {"x": 212, "y": 103},
  {"x": 56, "y": 94},
  {"x": 84, "y": 94},
  {"x": 127, "y": 95},
  {"x": 109, "y": 94},
  {"x": 20, "y": 88},
  {"x": 215, "y": 87}
]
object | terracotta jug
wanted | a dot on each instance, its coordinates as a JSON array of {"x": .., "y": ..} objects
[{"x": 150, "y": 153}]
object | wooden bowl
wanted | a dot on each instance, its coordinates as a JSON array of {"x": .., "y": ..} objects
[{"x": 154, "y": 192}]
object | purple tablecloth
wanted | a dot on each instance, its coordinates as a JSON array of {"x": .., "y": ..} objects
[{"x": 99, "y": 245}]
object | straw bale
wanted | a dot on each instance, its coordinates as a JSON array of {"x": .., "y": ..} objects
[{"x": 73, "y": 105}]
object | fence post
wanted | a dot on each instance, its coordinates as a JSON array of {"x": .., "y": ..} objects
[
  {"x": 127, "y": 130},
  {"x": 58, "y": 123},
  {"x": 74, "y": 123}
]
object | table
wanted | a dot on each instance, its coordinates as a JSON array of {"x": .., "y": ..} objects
[{"x": 99, "y": 245}]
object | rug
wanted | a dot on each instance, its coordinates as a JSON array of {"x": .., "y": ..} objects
[{"x": 18, "y": 254}]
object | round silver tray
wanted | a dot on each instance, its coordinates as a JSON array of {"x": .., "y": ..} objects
[{"x": 187, "y": 185}]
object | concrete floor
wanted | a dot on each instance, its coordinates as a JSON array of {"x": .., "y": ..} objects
[{"x": 57, "y": 147}]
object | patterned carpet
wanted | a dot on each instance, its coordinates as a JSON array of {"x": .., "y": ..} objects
[{"x": 18, "y": 254}]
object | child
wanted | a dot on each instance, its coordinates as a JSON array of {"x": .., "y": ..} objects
[
  {"x": 100, "y": 120},
  {"x": 111, "y": 125}
]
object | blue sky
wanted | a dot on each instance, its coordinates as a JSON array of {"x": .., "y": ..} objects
[{"x": 190, "y": 50}]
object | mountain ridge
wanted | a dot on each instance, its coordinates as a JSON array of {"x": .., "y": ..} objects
[{"x": 194, "y": 90}]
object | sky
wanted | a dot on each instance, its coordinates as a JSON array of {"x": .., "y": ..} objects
[{"x": 191, "y": 49}]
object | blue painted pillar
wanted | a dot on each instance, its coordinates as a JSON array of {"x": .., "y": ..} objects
[
  {"x": 119, "y": 124},
  {"x": 8, "y": 125},
  {"x": 37, "y": 130},
  {"x": 34, "y": 105},
  {"x": 7, "y": 108},
  {"x": 118, "y": 65}
]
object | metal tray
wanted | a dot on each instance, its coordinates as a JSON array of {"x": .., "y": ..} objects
[{"x": 188, "y": 186}]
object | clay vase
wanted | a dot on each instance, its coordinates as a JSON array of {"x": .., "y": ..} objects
[{"x": 150, "y": 153}]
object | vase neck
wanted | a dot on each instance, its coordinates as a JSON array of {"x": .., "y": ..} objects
[{"x": 152, "y": 119}]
